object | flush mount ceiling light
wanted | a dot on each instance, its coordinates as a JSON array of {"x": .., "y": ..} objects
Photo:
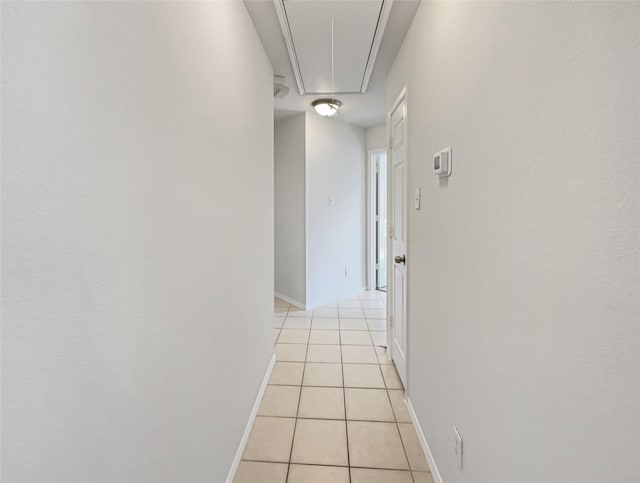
[{"x": 326, "y": 107}]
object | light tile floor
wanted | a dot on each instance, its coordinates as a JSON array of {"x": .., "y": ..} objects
[{"x": 334, "y": 409}]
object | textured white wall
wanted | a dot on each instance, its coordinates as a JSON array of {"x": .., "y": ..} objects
[
  {"x": 524, "y": 290},
  {"x": 290, "y": 192},
  {"x": 137, "y": 238},
  {"x": 335, "y": 234}
]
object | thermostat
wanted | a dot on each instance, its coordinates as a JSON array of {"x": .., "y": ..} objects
[{"x": 442, "y": 163}]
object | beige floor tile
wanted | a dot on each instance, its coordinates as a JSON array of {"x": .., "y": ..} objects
[
  {"x": 276, "y": 334},
  {"x": 383, "y": 355},
  {"x": 391, "y": 378},
  {"x": 325, "y": 324},
  {"x": 252, "y": 471},
  {"x": 363, "y": 375},
  {"x": 324, "y": 337},
  {"x": 354, "y": 324},
  {"x": 412, "y": 446},
  {"x": 372, "y": 304},
  {"x": 287, "y": 373},
  {"x": 326, "y": 312},
  {"x": 399, "y": 407},
  {"x": 372, "y": 313},
  {"x": 355, "y": 337},
  {"x": 368, "y": 405},
  {"x": 421, "y": 477},
  {"x": 270, "y": 439},
  {"x": 331, "y": 305},
  {"x": 365, "y": 475},
  {"x": 379, "y": 337},
  {"x": 324, "y": 353},
  {"x": 320, "y": 442},
  {"x": 354, "y": 354},
  {"x": 297, "y": 323},
  {"x": 323, "y": 374},
  {"x": 278, "y": 320},
  {"x": 294, "y": 336},
  {"x": 281, "y": 309},
  {"x": 322, "y": 403},
  {"x": 318, "y": 474},
  {"x": 297, "y": 312},
  {"x": 376, "y": 445},
  {"x": 377, "y": 324},
  {"x": 291, "y": 352},
  {"x": 280, "y": 401},
  {"x": 350, "y": 303},
  {"x": 350, "y": 313}
]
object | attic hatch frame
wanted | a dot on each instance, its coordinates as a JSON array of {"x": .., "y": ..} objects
[{"x": 383, "y": 17}]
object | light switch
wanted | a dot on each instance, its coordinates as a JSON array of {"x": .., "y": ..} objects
[{"x": 416, "y": 200}]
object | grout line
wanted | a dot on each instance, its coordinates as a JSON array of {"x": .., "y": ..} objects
[
  {"x": 397, "y": 425},
  {"x": 395, "y": 418},
  {"x": 335, "y": 466},
  {"x": 295, "y": 424},
  {"x": 344, "y": 399},
  {"x": 333, "y": 387},
  {"x": 335, "y": 419}
]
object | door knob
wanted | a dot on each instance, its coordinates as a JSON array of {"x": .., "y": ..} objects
[{"x": 400, "y": 259}]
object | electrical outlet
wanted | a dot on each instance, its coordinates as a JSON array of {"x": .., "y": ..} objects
[
  {"x": 458, "y": 446},
  {"x": 346, "y": 271}
]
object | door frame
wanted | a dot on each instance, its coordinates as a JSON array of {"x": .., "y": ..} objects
[
  {"x": 403, "y": 96},
  {"x": 371, "y": 222}
]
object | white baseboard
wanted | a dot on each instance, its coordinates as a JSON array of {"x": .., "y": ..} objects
[
  {"x": 252, "y": 417},
  {"x": 291, "y": 301},
  {"x": 423, "y": 442}
]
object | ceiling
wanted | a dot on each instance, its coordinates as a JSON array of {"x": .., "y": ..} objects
[{"x": 355, "y": 25}]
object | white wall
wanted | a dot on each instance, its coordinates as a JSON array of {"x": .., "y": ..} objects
[
  {"x": 290, "y": 195},
  {"x": 377, "y": 137},
  {"x": 137, "y": 239},
  {"x": 335, "y": 234},
  {"x": 524, "y": 291}
]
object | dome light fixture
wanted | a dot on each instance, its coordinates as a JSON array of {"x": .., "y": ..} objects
[{"x": 326, "y": 107}]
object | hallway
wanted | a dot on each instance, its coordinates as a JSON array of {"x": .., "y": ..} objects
[
  {"x": 334, "y": 408},
  {"x": 168, "y": 168}
]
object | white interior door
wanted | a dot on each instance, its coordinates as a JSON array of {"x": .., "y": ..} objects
[{"x": 398, "y": 238}]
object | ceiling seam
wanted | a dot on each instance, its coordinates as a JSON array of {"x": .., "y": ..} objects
[
  {"x": 295, "y": 52},
  {"x": 373, "y": 40}
]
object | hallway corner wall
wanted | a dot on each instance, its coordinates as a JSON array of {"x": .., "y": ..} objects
[
  {"x": 137, "y": 238},
  {"x": 290, "y": 202},
  {"x": 335, "y": 233},
  {"x": 523, "y": 274},
  {"x": 376, "y": 137}
]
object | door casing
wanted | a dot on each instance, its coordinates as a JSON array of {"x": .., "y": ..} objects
[{"x": 371, "y": 203}]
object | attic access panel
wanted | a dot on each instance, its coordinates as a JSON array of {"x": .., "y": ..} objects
[{"x": 358, "y": 29}]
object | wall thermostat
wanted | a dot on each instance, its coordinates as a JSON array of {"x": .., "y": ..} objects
[{"x": 442, "y": 163}]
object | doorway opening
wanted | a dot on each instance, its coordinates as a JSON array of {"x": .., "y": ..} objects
[{"x": 378, "y": 220}]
